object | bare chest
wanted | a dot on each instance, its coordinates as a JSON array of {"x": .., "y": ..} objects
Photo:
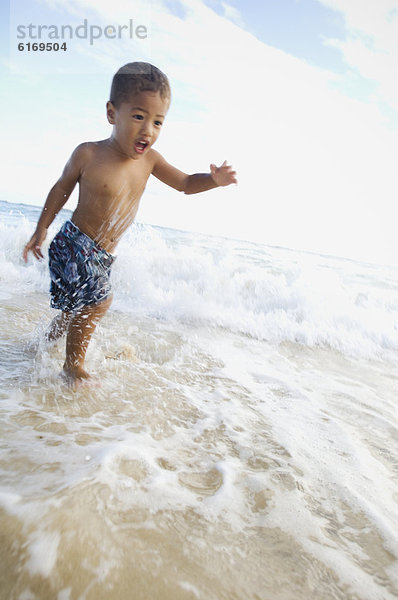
[{"x": 114, "y": 182}]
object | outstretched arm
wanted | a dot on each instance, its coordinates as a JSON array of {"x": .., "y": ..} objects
[
  {"x": 193, "y": 184},
  {"x": 56, "y": 199}
]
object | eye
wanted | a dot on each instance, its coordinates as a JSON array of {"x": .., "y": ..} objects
[
  {"x": 158, "y": 123},
  {"x": 138, "y": 117}
]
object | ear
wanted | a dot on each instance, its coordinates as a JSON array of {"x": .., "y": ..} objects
[{"x": 110, "y": 112}]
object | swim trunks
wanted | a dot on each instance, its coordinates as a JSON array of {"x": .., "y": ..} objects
[{"x": 79, "y": 269}]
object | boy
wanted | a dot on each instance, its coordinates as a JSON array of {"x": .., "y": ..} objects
[{"x": 112, "y": 175}]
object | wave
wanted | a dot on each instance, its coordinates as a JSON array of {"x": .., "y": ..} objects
[{"x": 267, "y": 293}]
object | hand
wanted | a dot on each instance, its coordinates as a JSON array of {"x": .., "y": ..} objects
[
  {"x": 223, "y": 175},
  {"x": 34, "y": 245}
]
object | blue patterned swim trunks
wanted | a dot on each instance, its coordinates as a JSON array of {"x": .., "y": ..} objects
[{"x": 79, "y": 269}]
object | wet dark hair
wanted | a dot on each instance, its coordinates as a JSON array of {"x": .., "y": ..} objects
[{"x": 138, "y": 77}]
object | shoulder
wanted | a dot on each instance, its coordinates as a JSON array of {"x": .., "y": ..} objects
[
  {"x": 154, "y": 155},
  {"x": 78, "y": 160},
  {"x": 85, "y": 150},
  {"x": 155, "y": 159},
  {"x": 82, "y": 153},
  {"x": 85, "y": 153}
]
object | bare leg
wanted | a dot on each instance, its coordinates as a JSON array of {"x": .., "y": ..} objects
[
  {"x": 81, "y": 328},
  {"x": 58, "y": 326}
]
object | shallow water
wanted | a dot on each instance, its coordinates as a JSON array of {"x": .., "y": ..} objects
[{"x": 241, "y": 446}]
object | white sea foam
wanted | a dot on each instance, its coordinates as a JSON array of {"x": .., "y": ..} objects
[
  {"x": 243, "y": 443},
  {"x": 277, "y": 296}
]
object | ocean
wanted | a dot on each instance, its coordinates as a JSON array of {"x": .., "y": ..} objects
[{"x": 243, "y": 444}]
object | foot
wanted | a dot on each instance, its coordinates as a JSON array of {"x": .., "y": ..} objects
[{"x": 75, "y": 377}]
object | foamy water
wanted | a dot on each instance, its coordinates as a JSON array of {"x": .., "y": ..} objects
[{"x": 243, "y": 444}]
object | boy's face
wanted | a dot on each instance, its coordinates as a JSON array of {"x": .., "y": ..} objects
[{"x": 137, "y": 123}]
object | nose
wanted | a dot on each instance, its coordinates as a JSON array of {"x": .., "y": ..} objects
[{"x": 147, "y": 127}]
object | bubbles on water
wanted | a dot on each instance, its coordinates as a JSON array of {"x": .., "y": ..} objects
[
  {"x": 312, "y": 303},
  {"x": 220, "y": 458}
]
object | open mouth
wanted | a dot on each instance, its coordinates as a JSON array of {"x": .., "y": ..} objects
[{"x": 140, "y": 146}]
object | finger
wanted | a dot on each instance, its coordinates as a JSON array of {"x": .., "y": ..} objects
[
  {"x": 34, "y": 250},
  {"x": 37, "y": 252}
]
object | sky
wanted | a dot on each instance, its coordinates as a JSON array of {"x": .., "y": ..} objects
[{"x": 300, "y": 96}]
